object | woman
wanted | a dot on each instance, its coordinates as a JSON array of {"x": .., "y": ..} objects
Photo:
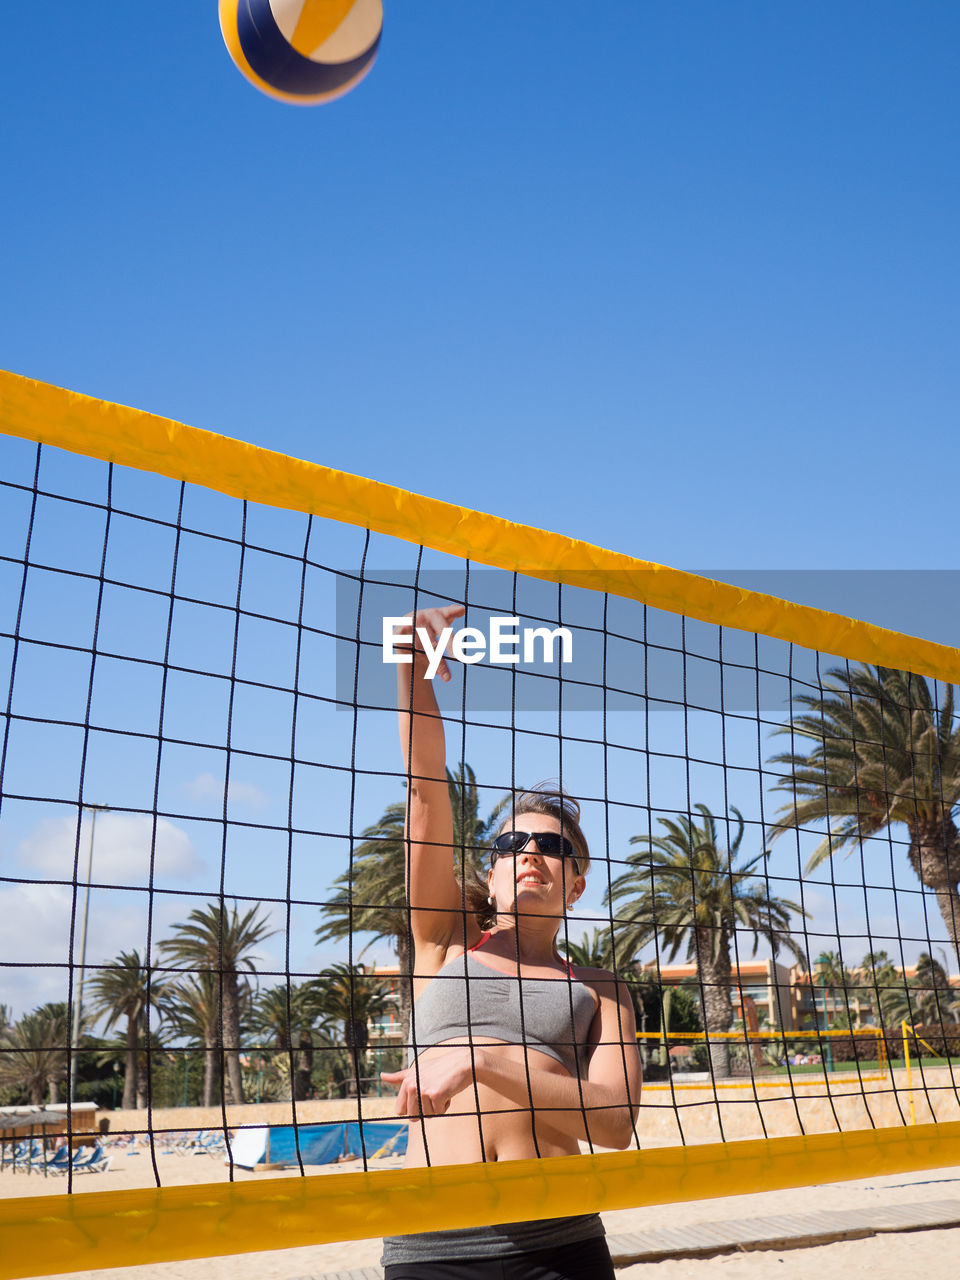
[{"x": 517, "y": 1053}]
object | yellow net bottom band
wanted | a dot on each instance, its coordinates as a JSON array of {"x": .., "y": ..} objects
[{"x": 46, "y": 1235}]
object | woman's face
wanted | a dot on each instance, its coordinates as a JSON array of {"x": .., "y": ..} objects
[{"x": 531, "y": 881}]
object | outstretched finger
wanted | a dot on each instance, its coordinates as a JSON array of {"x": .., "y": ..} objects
[{"x": 451, "y": 611}]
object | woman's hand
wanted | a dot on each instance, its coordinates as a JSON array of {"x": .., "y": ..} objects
[
  {"x": 433, "y": 622},
  {"x": 426, "y": 1087}
]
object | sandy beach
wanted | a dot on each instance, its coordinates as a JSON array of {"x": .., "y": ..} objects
[{"x": 930, "y": 1253}]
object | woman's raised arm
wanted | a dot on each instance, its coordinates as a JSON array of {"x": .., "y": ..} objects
[{"x": 435, "y": 898}]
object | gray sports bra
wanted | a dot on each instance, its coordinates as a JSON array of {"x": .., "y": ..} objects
[{"x": 552, "y": 1015}]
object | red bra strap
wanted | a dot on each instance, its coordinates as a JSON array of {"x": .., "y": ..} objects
[{"x": 484, "y": 937}]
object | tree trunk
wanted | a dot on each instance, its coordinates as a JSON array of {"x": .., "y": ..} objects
[
  {"x": 715, "y": 998},
  {"x": 211, "y": 1062},
  {"x": 405, "y": 985},
  {"x": 132, "y": 1067},
  {"x": 303, "y": 1068},
  {"x": 357, "y": 1038},
  {"x": 143, "y": 1081},
  {"x": 934, "y": 854},
  {"x": 948, "y": 900},
  {"x": 231, "y": 1035},
  {"x": 641, "y": 1012},
  {"x": 666, "y": 1006}
]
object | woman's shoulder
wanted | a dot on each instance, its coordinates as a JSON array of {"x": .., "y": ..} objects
[
  {"x": 603, "y": 982},
  {"x": 588, "y": 973}
]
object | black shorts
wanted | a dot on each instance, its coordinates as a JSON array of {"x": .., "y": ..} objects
[{"x": 584, "y": 1260}]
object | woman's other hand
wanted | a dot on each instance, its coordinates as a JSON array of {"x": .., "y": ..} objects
[{"x": 426, "y": 1087}]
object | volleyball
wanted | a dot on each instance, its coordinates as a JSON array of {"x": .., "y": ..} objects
[{"x": 302, "y": 51}]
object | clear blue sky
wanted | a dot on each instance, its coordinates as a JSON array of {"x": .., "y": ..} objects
[{"x": 678, "y": 279}]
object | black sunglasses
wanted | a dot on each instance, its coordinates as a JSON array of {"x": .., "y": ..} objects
[{"x": 551, "y": 843}]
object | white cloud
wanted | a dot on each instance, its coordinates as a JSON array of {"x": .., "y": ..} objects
[
  {"x": 121, "y": 851},
  {"x": 36, "y": 928},
  {"x": 35, "y": 946},
  {"x": 35, "y": 937},
  {"x": 35, "y": 933},
  {"x": 206, "y": 787}
]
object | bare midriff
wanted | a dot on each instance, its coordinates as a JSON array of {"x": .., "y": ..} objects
[{"x": 480, "y": 1124}]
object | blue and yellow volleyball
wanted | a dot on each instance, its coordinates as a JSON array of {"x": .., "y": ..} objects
[{"x": 302, "y": 51}]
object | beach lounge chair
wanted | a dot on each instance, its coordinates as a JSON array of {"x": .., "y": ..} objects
[
  {"x": 59, "y": 1161},
  {"x": 91, "y": 1160},
  {"x": 207, "y": 1142},
  {"x": 85, "y": 1160},
  {"x": 211, "y": 1143},
  {"x": 99, "y": 1161}
]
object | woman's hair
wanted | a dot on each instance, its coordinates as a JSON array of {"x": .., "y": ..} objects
[{"x": 544, "y": 799}]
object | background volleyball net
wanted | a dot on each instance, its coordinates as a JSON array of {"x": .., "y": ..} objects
[{"x": 201, "y": 805}]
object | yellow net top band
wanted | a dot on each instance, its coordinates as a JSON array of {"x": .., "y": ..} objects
[
  {"x": 114, "y": 1228},
  {"x": 81, "y": 424}
]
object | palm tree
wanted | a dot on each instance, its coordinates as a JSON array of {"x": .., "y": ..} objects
[
  {"x": 371, "y": 896},
  {"x": 927, "y": 997},
  {"x": 33, "y": 1054},
  {"x": 881, "y": 752},
  {"x": 126, "y": 989},
  {"x": 678, "y": 1009},
  {"x": 219, "y": 942},
  {"x": 288, "y": 1016},
  {"x": 687, "y": 889},
  {"x": 886, "y": 986},
  {"x": 936, "y": 1001},
  {"x": 192, "y": 1006},
  {"x": 352, "y": 996},
  {"x": 834, "y": 978}
]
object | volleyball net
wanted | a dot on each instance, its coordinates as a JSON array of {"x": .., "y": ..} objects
[{"x": 201, "y": 833}]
